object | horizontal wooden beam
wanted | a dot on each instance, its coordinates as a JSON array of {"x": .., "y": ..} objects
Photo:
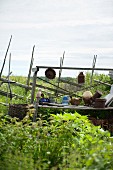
[
  {"x": 71, "y": 68},
  {"x": 5, "y": 104},
  {"x": 80, "y": 107},
  {"x": 16, "y": 83},
  {"x": 71, "y": 83},
  {"x": 3, "y": 93},
  {"x": 98, "y": 81},
  {"x": 51, "y": 89}
]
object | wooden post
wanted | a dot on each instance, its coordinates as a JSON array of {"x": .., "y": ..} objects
[
  {"x": 36, "y": 111},
  {"x": 31, "y": 64},
  {"x": 9, "y": 87},
  {"x": 34, "y": 85},
  {"x": 60, "y": 71},
  {"x": 93, "y": 66}
]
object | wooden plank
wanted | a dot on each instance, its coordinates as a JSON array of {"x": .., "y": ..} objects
[
  {"x": 16, "y": 83},
  {"x": 5, "y": 104},
  {"x": 74, "y": 107},
  {"x": 71, "y": 83},
  {"x": 5, "y": 78},
  {"x": 3, "y": 93},
  {"x": 98, "y": 81},
  {"x": 51, "y": 89},
  {"x": 66, "y": 91},
  {"x": 72, "y": 68},
  {"x": 53, "y": 85}
]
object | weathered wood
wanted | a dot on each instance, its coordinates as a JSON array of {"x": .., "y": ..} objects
[
  {"x": 93, "y": 66},
  {"x": 72, "y": 68},
  {"x": 36, "y": 112},
  {"x": 16, "y": 83},
  {"x": 65, "y": 91},
  {"x": 5, "y": 104},
  {"x": 3, "y": 93},
  {"x": 31, "y": 64},
  {"x": 5, "y": 78},
  {"x": 98, "y": 81},
  {"x": 9, "y": 87},
  {"x": 74, "y": 107},
  {"x": 51, "y": 89},
  {"x": 33, "y": 86},
  {"x": 54, "y": 85},
  {"x": 71, "y": 83},
  {"x": 61, "y": 64},
  {"x": 5, "y": 56}
]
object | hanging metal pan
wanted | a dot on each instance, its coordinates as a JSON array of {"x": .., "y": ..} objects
[{"x": 50, "y": 73}]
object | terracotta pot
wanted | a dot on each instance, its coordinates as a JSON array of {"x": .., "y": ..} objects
[
  {"x": 98, "y": 94},
  {"x": 75, "y": 101},
  {"x": 99, "y": 103}
]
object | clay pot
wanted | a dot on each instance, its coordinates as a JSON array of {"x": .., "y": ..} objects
[
  {"x": 99, "y": 103},
  {"x": 87, "y": 98},
  {"x": 75, "y": 101},
  {"x": 98, "y": 94}
]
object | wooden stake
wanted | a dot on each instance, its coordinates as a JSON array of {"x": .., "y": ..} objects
[
  {"x": 33, "y": 86},
  {"x": 31, "y": 64},
  {"x": 93, "y": 66},
  {"x": 5, "y": 56},
  {"x": 60, "y": 71}
]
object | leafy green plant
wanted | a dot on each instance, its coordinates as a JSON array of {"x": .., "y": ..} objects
[{"x": 67, "y": 141}]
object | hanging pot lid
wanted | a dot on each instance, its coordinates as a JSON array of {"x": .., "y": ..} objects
[{"x": 50, "y": 73}]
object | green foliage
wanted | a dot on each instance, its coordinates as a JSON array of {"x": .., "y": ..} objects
[
  {"x": 67, "y": 141},
  {"x": 57, "y": 140}
]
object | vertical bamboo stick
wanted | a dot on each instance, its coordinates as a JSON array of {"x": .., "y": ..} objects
[
  {"x": 5, "y": 56},
  {"x": 33, "y": 86},
  {"x": 31, "y": 64},
  {"x": 93, "y": 66}
]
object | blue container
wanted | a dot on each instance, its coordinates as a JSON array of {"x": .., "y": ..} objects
[
  {"x": 44, "y": 100},
  {"x": 65, "y": 100}
]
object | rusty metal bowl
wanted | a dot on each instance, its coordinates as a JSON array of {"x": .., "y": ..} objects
[{"x": 50, "y": 73}]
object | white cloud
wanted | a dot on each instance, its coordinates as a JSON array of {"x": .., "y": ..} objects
[
  {"x": 60, "y": 23},
  {"x": 81, "y": 28}
]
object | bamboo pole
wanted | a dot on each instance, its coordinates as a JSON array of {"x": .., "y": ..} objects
[
  {"x": 3, "y": 93},
  {"x": 30, "y": 68},
  {"x": 98, "y": 81},
  {"x": 51, "y": 89},
  {"x": 8, "y": 87},
  {"x": 60, "y": 71},
  {"x": 33, "y": 86},
  {"x": 66, "y": 91},
  {"x": 16, "y": 83},
  {"x": 5, "y": 56},
  {"x": 71, "y": 83},
  {"x": 93, "y": 66},
  {"x": 5, "y": 78}
]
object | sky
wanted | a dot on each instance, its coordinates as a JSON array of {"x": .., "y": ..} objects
[{"x": 81, "y": 28}]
